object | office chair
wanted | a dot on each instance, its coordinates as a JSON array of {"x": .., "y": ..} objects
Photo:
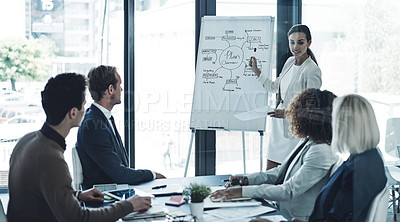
[
  {"x": 394, "y": 188},
  {"x": 77, "y": 170},
  {"x": 3, "y": 217},
  {"x": 392, "y": 145},
  {"x": 392, "y": 138},
  {"x": 378, "y": 209}
]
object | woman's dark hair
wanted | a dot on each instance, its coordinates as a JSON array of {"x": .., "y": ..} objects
[
  {"x": 304, "y": 29},
  {"x": 61, "y": 94},
  {"x": 100, "y": 79},
  {"x": 310, "y": 115}
]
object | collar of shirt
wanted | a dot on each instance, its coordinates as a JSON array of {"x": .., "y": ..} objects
[
  {"x": 105, "y": 111},
  {"x": 107, "y": 114},
  {"x": 50, "y": 133}
]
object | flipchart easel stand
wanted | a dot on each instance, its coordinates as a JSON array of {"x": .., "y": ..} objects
[{"x": 243, "y": 146}]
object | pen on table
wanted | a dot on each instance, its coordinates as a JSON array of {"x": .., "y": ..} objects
[
  {"x": 227, "y": 180},
  {"x": 159, "y": 187}
]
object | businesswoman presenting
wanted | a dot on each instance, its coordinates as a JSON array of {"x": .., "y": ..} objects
[{"x": 300, "y": 72}]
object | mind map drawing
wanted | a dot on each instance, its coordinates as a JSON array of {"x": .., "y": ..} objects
[
  {"x": 224, "y": 83},
  {"x": 227, "y": 56}
]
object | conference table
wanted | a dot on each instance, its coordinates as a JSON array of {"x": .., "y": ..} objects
[{"x": 182, "y": 213}]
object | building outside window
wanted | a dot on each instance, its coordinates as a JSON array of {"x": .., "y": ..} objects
[{"x": 74, "y": 36}]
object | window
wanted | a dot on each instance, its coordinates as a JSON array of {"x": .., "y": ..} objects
[
  {"x": 229, "y": 154},
  {"x": 86, "y": 34},
  {"x": 355, "y": 43},
  {"x": 164, "y": 80}
]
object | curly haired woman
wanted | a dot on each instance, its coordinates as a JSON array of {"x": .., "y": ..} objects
[{"x": 295, "y": 184}]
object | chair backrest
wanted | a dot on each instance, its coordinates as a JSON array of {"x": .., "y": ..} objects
[
  {"x": 77, "y": 171},
  {"x": 378, "y": 208},
  {"x": 392, "y": 138},
  {"x": 3, "y": 217}
]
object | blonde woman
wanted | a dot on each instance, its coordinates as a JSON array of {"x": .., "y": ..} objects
[{"x": 350, "y": 191}]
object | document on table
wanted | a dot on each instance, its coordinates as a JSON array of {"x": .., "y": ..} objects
[
  {"x": 258, "y": 112},
  {"x": 241, "y": 203},
  {"x": 274, "y": 218},
  {"x": 156, "y": 210},
  {"x": 236, "y": 214},
  {"x": 162, "y": 190}
]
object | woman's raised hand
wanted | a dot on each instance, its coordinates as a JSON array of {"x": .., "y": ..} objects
[{"x": 253, "y": 65}]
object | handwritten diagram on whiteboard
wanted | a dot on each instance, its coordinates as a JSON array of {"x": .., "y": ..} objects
[
  {"x": 224, "y": 83},
  {"x": 230, "y": 63}
]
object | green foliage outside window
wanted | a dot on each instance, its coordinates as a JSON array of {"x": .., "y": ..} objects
[{"x": 22, "y": 58}]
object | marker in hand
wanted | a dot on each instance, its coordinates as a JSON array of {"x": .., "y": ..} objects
[{"x": 270, "y": 113}]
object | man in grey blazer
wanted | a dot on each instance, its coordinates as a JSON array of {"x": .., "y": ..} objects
[{"x": 296, "y": 183}]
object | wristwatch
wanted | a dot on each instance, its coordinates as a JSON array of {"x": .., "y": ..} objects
[{"x": 242, "y": 181}]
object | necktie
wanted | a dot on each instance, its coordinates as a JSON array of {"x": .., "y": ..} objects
[
  {"x": 286, "y": 164},
  {"x": 121, "y": 146}
]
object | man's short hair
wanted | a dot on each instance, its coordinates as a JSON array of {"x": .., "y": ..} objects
[
  {"x": 61, "y": 94},
  {"x": 100, "y": 79}
]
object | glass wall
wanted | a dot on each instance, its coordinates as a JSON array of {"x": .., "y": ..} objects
[
  {"x": 164, "y": 80},
  {"x": 355, "y": 43},
  {"x": 72, "y": 36},
  {"x": 229, "y": 148}
]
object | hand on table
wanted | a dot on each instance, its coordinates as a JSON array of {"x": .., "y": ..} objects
[
  {"x": 140, "y": 204},
  {"x": 160, "y": 176},
  {"x": 92, "y": 197},
  {"x": 226, "y": 194}
]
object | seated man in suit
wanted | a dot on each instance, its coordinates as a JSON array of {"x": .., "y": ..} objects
[
  {"x": 99, "y": 145},
  {"x": 295, "y": 184},
  {"x": 39, "y": 181}
]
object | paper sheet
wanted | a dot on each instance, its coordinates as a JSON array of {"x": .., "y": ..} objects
[
  {"x": 241, "y": 203},
  {"x": 274, "y": 218},
  {"x": 156, "y": 210},
  {"x": 237, "y": 214},
  {"x": 170, "y": 189},
  {"x": 259, "y": 112}
]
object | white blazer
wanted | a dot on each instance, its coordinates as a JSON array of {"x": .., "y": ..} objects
[
  {"x": 309, "y": 76},
  {"x": 305, "y": 177}
]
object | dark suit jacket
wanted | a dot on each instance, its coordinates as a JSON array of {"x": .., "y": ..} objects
[
  {"x": 103, "y": 159},
  {"x": 351, "y": 189}
]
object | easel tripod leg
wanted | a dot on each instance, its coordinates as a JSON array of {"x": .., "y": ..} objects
[
  {"x": 189, "y": 151},
  {"x": 261, "y": 149}
]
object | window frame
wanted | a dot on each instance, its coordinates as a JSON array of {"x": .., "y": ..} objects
[{"x": 288, "y": 14}]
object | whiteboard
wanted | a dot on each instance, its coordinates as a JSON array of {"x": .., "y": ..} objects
[{"x": 224, "y": 84}]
